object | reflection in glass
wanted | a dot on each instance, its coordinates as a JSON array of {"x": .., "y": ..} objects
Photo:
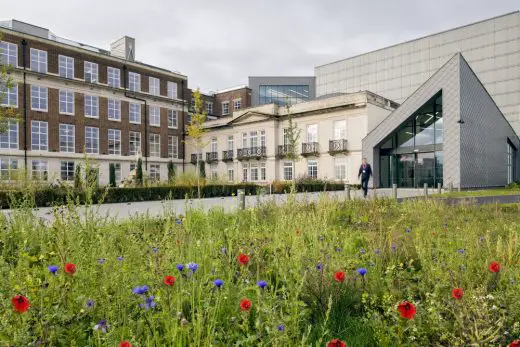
[{"x": 283, "y": 94}]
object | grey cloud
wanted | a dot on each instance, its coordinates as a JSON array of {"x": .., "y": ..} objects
[{"x": 220, "y": 43}]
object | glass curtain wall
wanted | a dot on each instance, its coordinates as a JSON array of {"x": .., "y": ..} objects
[
  {"x": 412, "y": 155},
  {"x": 282, "y": 95}
]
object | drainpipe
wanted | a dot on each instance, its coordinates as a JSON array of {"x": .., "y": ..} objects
[
  {"x": 24, "y": 62},
  {"x": 145, "y": 118},
  {"x": 183, "y": 130}
]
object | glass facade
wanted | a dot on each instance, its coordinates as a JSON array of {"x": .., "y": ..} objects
[
  {"x": 284, "y": 94},
  {"x": 412, "y": 155}
]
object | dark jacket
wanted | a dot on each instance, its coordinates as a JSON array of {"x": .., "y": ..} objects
[{"x": 365, "y": 173}]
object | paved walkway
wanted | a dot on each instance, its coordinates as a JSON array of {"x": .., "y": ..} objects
[{"x": 126, "y": 210}]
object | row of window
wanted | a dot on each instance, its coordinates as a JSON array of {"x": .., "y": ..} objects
[
  {"x": 39, "y": 63},
  {"x": 67, "y": 140},
  {"x": 40, "y": 170},
  {"x": 237, "y": 105},
  {"x": 40, "y": 102}
]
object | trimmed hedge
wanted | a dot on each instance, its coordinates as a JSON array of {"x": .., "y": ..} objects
[{"x": 58, "y": 196}]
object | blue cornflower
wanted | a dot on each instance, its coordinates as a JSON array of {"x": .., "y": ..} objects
[
  {"x": 178, "y": 221},
  {"x": 90, "y": 303},
  {"x": 408, "y": 230},
  {"x": 140, "y": 290},
  {"x": 223, "y": 250},
  {"x": 120, "y": 258},
  {"x": 461, "y": 251},
  {"x": 281, "y": 327},
  {"x": 155, "y": 249},
  {"x": 262, "y": 284},
  {"x": 362, "y": 251},
  {"x": 321, "y": 238},
  {"x": 102, "y": 325},
  {"x": 101, "y": 261},
  {"x": 53, "y": 269},
  {"x": 362, "y": 271},
  {"x": 339, "y": 249},
  {"x": 394, "y": 248},
  {"x": 218, "y": 283},
  {"x": 377, "y": 251},
  {"x": 482, "y": 238},
  {"x": 193, "y": 267},
  {"x": 148, "y": 302},
  {"x": 180, "y": 267},
  {"x": 319, "y": 266}
]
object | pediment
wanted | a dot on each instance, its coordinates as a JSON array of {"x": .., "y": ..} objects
[{"x": 251, "y": 117}]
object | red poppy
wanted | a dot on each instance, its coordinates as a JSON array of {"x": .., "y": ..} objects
[
  {"x": 70, "y": 268},
  {"x": 339, "y": 276},
  {"x": 20, "y": 303},
  {"x": 494, "y": 267},
  {"x": 457, "y": 293},
  {"x": 336, "y": 343},
  {"x": 243, "y": 259},
  {"x": 515, "y": 343},
  {"x": 245, "y": 304},
  {"x": 406, "y": 310},
  {"x": 169, "y": 280},
  {"x": 124, "y": 344}
]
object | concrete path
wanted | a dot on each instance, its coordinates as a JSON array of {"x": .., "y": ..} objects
[{"x": 154, "y": 208}]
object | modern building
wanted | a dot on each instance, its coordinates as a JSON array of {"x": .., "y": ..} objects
[
  {"x": 252, "y": 144},
  {"x": 492, "y": 48},
  {"x": 75, "y": 100},
  {"x": 281, "y": 90},
  {"x": 449, "y": 132}
]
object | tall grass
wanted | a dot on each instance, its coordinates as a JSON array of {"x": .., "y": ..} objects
[{"x": 416, "y": 251}]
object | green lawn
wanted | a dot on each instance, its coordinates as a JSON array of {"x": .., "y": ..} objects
[
  {"x": 416, "y": 251},
  {"x": 476, "y": 193}
]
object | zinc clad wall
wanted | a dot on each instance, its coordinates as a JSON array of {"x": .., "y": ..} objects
[{"x": 484, "y": 135}]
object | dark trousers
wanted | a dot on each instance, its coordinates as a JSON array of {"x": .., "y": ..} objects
[{"x": 364, "y": 186}]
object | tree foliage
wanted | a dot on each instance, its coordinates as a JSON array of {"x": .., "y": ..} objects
[
  {"x": 139, "y": 173},
  {"x": 293, "y": 139}
]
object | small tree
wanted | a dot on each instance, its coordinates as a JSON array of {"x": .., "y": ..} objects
[
  {"x": 77, "y": 178},
  {"x": 139, "y": 173},
  {"x": 196, "y": 131},
  {"x": 293, "y": 138},
  {"x": 171, "y": 172},
  {"x": 112, "y": 175}
]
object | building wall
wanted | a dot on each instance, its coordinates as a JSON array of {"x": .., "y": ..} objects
[
  {"x": 492, "y": 48},
  {"x": 357, "y": 124},
  {"x": 242, "y": 94},
  {"x": 54, "y": 83},
  {"x": 483, "y": 135},
  {"x": 256, "y": 81}
]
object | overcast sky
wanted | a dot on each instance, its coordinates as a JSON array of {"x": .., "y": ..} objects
[{"x": 219, "y": 43}]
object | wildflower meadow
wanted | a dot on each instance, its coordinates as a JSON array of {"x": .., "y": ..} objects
[{"x": 329, "y": 273}]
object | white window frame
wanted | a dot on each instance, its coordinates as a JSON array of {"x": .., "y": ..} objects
[
  {"x": 312, "y": 169},
  {"x": 155, "y": 172},
  {"x": 237, "y": 104},
  {"x": 67, "y": 171},
  {"x": 312, "y": 136},
  {"x": 134, "y": 113},
  {"x": 117, "y": 171},
  {"x": 92, "y": 139},
  {"x": 213, "y": 170},
  {"x": 38, "y": 60},
  {"x": 173, "y": 147},
  {"x": 154, "y": 118},
  {"x": 67, "y": 137},
  {"x": 92, "y": 71},
  {"x": 134, "y": 81},
  {"x": 230, "y": 143},
  {"x": 254, "y": 172},
  {"x": 40, "y": 132},
  {"x": 173, "y": 122},
  {"x": 231, "y": 174},
  {"x": 40, "y": 170},
  {"x": 66, "y": 66},
  {"x": 8, "y": 53},
  {"x": 340, "y": 132},
  {"x": 9, "y": 139},
  {"x": 114, "y": 141},
  {"x": 91, "y": 106},
  {"x": 40, "y": 95},
  {"x": 245, "y": 171},
  {"x": 114, "y": 110},
  {"x": 338, "y": 163},
  {"x": 113, "y": 77},
  {"x": 209, "y": 108},
  {"x": 214, "y": 145},
  {"x": 154, "y": 85},
  {"x": 134, "y": 140},
  {"x": 288, "y": 168},
  {"x": 7, "y": 166},
  {"x": 225, "y": 108},
  {"x": 66, "y": 102},
  {"x": 10, "y": 98},
  {"x": 172, "y": 90},
  {"x": 263, "y": 171},
  {"x": 154, "y": 145}
]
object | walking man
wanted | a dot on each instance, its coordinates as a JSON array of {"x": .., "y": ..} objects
[{"x": 365, "y": 171}]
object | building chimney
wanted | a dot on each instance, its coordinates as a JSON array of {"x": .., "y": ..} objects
[{"x": 123, "y": 48}]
